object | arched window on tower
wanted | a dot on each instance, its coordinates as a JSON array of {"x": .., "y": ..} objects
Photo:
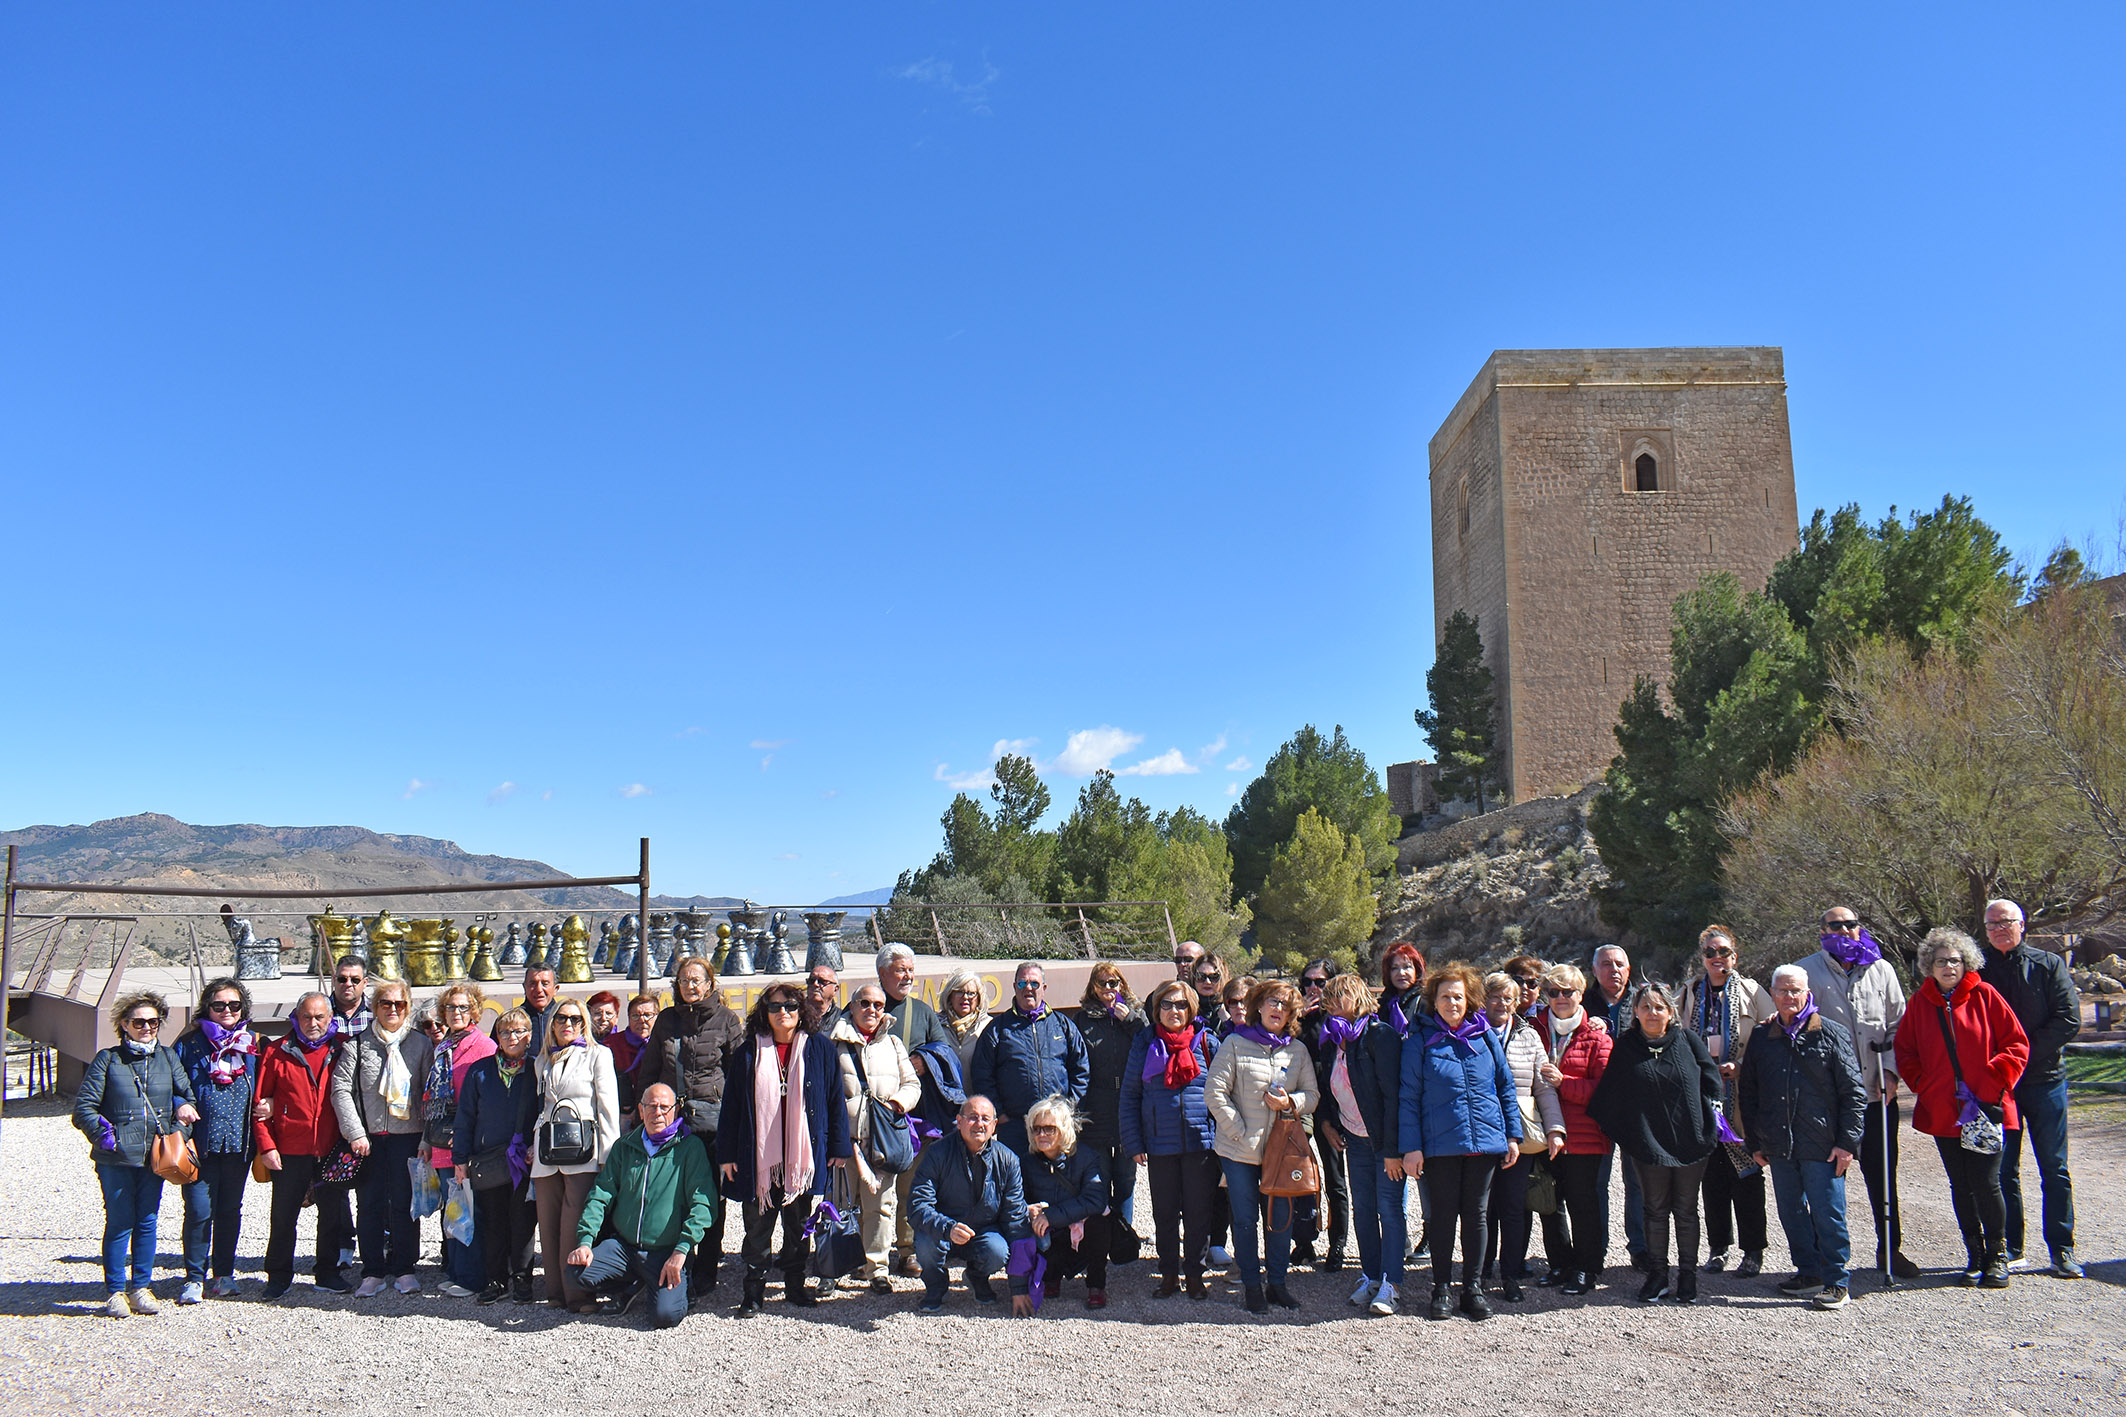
[{"x": 1647, "y": 471}]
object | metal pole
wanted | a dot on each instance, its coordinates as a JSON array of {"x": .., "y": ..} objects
[
  {"x": 1171, "y": 942},
  {"x": 642, "y": 922},
  {"x": 939, "y": 931},
  {"x": 876, "y": 933},
  {"x": 1887, "y": 1243},
  {"x": 7, "y": 970}
]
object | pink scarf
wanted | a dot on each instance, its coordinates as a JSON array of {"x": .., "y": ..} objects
[{"x": 779, "y": 1110}]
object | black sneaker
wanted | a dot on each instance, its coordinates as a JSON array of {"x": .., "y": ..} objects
[
  {"x": 933, "y": 1302},
  {"x": 1995, "y": 1274},
  {"x": 979, "y": 1286},
  {"x": 1752, "y": 1265},
  {"x": 630, "y": 1301},
  {"x": 275, "y": 1288},
  {"x": 1655, "y": 1289},
  {"x": 1442, "y": 1302},
  {"x": 2066, "y": 1266},
  {"x": 1833, "y": 1296},
  {"x": 492, "y": 1293},
  {"x": 1578, "y": 1283},
  {"x": 1475, "y": 1306},
  {"x": 333, "y": 1282},
  {"x": 1717, "y": 1264},
  {"x": 1801, "y": 1284}
]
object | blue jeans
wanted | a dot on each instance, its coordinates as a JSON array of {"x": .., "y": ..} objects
[
  {"x": 1243, "y": 1187},
  {"x": 1378, "y": 1213},
  {"x": 2044, "y": 1109},
  {"x": 132, "y": 1198},
  {"x": 984, "y": 1255},
  {"x": 1812, "y": 1212},
  {"x": 611, "y": 1260},
  {"x": 214, "y": 1214}
]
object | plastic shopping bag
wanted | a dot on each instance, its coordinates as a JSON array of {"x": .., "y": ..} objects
[
  {"x": 457, "y": 1212},
  {"x": 427, "y": 1188}
]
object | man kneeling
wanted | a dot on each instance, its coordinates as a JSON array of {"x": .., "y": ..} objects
[
  {"x": 661, "y": 1190},
  {"x": 968, "y": 1204}
]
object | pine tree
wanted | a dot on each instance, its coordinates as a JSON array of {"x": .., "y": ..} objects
[{"x": 1461, "y": 724}]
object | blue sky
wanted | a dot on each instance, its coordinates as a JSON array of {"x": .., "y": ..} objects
[{"x": 541, "y": 426}]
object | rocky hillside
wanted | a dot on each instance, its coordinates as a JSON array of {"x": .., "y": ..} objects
[{"x": 1517, "y": 879}]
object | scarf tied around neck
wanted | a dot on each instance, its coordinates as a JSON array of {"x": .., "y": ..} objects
[
  {"x": 1853, "y": 952},
  {"x": 1171, "y": 1059},
  {"x": 231, "y": 1046}
]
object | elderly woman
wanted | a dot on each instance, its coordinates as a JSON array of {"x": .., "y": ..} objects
[
  {"x": 963, "y": 1015},
  {"x": 1110, "y": 1020},
  {"x": 1261, "y": 1073},
  {"x": 1723, "y": 1006},
  {"x": 458, "y": 1009},
  {"x": 576, "y": 1084},
  {"x": 1360, "y": 1119},
  {"x": 497, "y": 1108},
  {"x": 1955, "y": 1087},
  {"x": 874, "y": 1063},
  {"x": 1460, "y": 1121},
  {"x": 1659, "y": 1100},
  {"x": 220, "y": 1055},
  {"x": 1576, "y": 1050},
  {"x": 297, "y": 1133},
  {"x": 689, "y": 1050},
  {"x": 131, "y": 1093},
  {"x": 376, "y": 1095},
  {"x": 784, "y": 1126},
  {"x": 1542, "y": 1129},
  {"x": 1066, "y": 1204},
  {"x": 1166, "y": 1129}
]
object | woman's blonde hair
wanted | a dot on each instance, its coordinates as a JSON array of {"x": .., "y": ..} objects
[
  {"x": 129, "y": 1002},
  {"x": 962, "y": 978},
  {"x": 1058, "y": 1110},
  {"x": 1565, "y": 976},
  {"x": 512, "y": 1016},
  {"x": 470, "y": 993},
  {"x": 1348, "y": 991}
]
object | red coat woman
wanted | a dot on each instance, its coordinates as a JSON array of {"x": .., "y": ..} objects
[{"x": 1575, "y": 1052}]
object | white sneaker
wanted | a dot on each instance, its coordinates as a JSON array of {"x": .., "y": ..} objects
[
  {"x": 1363, "y": 1294},
  {"x": 144, "y": 1302},
  {"x": 406, "y": 1284},
  {"x": 1220, "y": 1257},
  {"x": 451, "y": 1290},
  {"x": 194, "y": 1292},
  {"x": 117, "y": 1307},
  {"x": 371, "y": 1287},
  {"x": 2022, "y": 1264},
  {"x": 1383, "y": 1300}
]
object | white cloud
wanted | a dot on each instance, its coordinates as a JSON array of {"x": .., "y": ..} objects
[
  {"x": 634, "y": 789},
  {"x": 547, "y": 796},
  {"x": 982, "y": 778},
  {"x": 940, "y": 73},
  {"x": 412, "y": 787},
  {"x": 500, "y": 792},
  {"x": 1232, "y": 789},
  {"x": 832, "y": 792},
  {"x": 1212, "y": 749},
  {"x": 1166, "y": 764},
  {"x": 765, "y": 761},
  {"x": 769, "y": 745},
  {"x": 1240, "y": 764},
  {"x": 787, "y": 856},
  {"x": 1091, "y": 749}
]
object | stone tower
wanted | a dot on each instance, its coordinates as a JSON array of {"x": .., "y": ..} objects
[{"x": 1575, "y": 494}]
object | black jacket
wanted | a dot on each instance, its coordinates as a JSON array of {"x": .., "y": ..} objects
[
  {"x": 2037, "y": 985},
  {"x": 1656, "y": 1104},
  {"x": 1376, "y": 1063},
  {"x": 1803, "y": 1098},
  {"x": 490, "y": 1114},
  {"x": 1107, "y": 1041}
]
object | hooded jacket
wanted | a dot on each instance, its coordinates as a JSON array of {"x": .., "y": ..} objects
[
  {"x": 1868, "y": 1004},
  {"x": 1456, "y": 1101},
  {"x": 1586, "y": 1054},
  {"x": 1991, "y": 1048},
  {"x": 688, "y": 1049},
  {"x": 490, "y": 1114},
  {"x": 1802, "y": 1098},
  {"x": 953, "y": 1186},
  {"x": 1656, "y": 1099}
]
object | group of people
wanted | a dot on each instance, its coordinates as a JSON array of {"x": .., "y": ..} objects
[{"x": 880, "y": 1136}]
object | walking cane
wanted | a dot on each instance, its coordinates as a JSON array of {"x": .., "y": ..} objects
[{"x": 1888, "y": 1245}]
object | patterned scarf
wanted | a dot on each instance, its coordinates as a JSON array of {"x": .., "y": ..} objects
[
  {"x": 231, "y": 1046},
  {"x": 441, "y": 1101}
]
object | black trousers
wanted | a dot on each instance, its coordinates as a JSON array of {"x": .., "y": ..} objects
[
  {"x": 1185, "y": 1193},
  {"x": 701, "y": 1265},
  {"x": 759, "y": 1249},
  {"x": 1734, "y": 1207},
  {"x": 1673, "y": 1191},
  {"x": 1460, "y": 1187},
  {"x": 1975, "y": 1191},
  {"x": 1336, "y": 1184},
  {"x": 1507, "y": 1221},
  {"x": 1088, "y": 1259},
  {"x": 214, "y": 1214},
  {"x": 1583, "y": 1190},
  {"x": 506, "y": 1220},
  {"x": 1881, "y": 1180},
  {"x": 334, "y": 1221}
]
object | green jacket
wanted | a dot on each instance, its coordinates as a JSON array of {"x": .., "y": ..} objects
[{"x": 666, "y": 1201}]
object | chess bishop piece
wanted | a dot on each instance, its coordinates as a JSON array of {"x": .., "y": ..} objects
[{"x": 575, "y": 965}]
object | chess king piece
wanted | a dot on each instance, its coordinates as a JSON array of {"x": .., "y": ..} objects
[
  {"x": 779, "y": 961},
  {"x": 255, "y": 958},
  {"x": 512, "y": 947},
  {"x": 575, "y": 965},
  {"x": 626, "y": 949},
  {"x": 386, "y": 937},
  {"x": 823, "y": 935},
  {"x": 480, "y": 941}
]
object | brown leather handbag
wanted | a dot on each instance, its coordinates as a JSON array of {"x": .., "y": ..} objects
[
  {"x": 1288, "y": 1165},
  {"x": 173, "y": 1157}
]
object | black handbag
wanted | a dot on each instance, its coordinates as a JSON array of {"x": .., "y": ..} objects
[
  {"x": 489, "y": 1169},
  {"x": 566, "y": 1141},
  {"x": 837, "y": 1242},
  {"x": 439, "y": 1132},
  {"x": 890, "y": 1144}
]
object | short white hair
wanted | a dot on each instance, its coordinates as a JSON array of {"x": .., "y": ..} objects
[
  {"x": 1790, "y": 971},
  {"x": 1605, "y": 949},
  {"x": 2010, "y": 904},
  {"x": 886, "y": 956}
]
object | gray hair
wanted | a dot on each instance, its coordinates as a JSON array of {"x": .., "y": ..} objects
[
  {"x": 2010, "y": 904},
  {"x": 1790, "y": 971},
  {"x": 1030, "y": 964},
  {"x": 887, "y": 955},
  {"x": 1944, "y": 940},
  {"x": 1652, "y": 989},
  {"x": 1605, "y": 949}
]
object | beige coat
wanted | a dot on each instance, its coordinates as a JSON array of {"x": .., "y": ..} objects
[
  {"x": 583, "y": 1077},
  {"x": 1755, "y": 1007},
  {"x": 1239, "y": 1080},
  {"x": 892, "y": 1076}
]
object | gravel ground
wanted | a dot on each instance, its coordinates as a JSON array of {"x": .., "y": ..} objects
[{"x": 2046, "y": 1345}]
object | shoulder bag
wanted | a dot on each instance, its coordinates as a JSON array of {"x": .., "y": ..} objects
[
  {"x": 889, "y": 1145},
  {"x": 569, "y": 1140},
  {"x": 1982, "y": 1133},
  {"x": 1288, "y": 1165},
  {"x": 171, "y": 1154}
]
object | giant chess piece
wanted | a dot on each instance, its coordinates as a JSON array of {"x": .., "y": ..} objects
[
  {"x": 752, "y": 924},
  {"x": 823, "y": 935},
  {"x": 626, "y": 946},
  {"x": 723, "y": 948},
  {"x": 686, "y": 938},
  {"x": 386, "y": 937},
  {"x": 779, "y": 961},
  {"x": 255, "y": 958},
  {"x": 661, "y": 941},
  {"x": 602, "y": 955},
  {"x": 429, "y": 959},
  {"x": 512, "y": 948},
  {"x": 481, "y": 964},
  {"x": 360, "y": 948},
  {"x": 575, "y": 965},
  {"x": 535, "y": 946}
]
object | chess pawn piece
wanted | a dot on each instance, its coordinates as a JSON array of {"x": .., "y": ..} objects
[
  {"x": 512, "y": 948},
  {"x": 779, "y": 961},
  {"x": 386, "y": 936},
  {"x": 534, "y": 944},
  {"x": 823, "y": 934},
  {"x": 575, "y": 965},
  {"x": 602, "y": 955},
  {"x": 682, "y": 945},
  {"x": 481, "y": 965},
  {"x": 723, "y": 948},
  {"x": 255, "y": 958},
  {"x": 626, "y": 947}
]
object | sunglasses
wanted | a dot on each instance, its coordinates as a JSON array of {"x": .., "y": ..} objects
[
  {"x": 1841, "y": 924},
  {"x": 1173, "y": 1006},
  {"x": 576, "y": 1019},
  {"x": 1045, "y": 1128},
  {"x": 1025, "y": 984},
  {"x": 866, "y": 1005},
  {"x": 1719, "y": 954},
  {"x": 1313, "y": 983},
  {"x": 1561, "y": 993},
  {"x": 143, "y": 1023},
  {"x": 784, "y": 1006},
  {"x": 225, "y": 1006},
  {"x": 390, "y": 1006}
]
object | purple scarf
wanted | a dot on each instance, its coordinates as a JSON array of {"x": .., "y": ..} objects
[
  {"x": 654, "y": 1142},
  {"x": 1801, "y": 1020},
  {"x": 1853, "y": 952},
  {"x": 1340, "y": 1031},
  {"x": 231, "y": 1045},
  {"x": 1468, "y": 1031},
  {"x": 1035, "y": 1017},
  {"x": 1396, "y": 1018},
  {"x": 295, "y": 1035},
  {"x": 1255, "y": 1033}
]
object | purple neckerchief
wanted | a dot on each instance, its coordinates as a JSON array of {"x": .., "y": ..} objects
[
  {"x": 295, "y": 1035},
  {"x": 1801, "y": 1020},
  {"x": 1725, "y": 1132},
  {"x": 1341, "y": 1031},
  {"x": 1255, "y": 1033},
  {"x": 1026, "y": 1258},
  {"x": 654, "y": 1142},
  {"x": 921, "y": 1133},
  {"x": 1851, "y": 951},
  {"x": 1155, "y": 1058},
  {"x": 1468, "y": 1031},
  {"x": 1040, "y": 1012},
  {"x": 1397, "y": 1019},
  {"x": 519, "y": 1161}
]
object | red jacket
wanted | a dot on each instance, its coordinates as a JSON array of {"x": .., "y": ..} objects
[
  {"x": 1991, "y": 1047},
  {"x": 1582, "y": 1063},
  {"x": 300, "y": 1087}
]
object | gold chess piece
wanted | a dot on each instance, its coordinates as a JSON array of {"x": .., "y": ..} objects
[
  {"x": 480, "y": 947},
  {"x": 386, "y": 938},
  {"x": 575, "y": 950}
]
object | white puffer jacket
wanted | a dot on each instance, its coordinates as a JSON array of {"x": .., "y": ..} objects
[
  {"x": 1240, "y": 1078},
  {"x": 1542, "y": 1117}
]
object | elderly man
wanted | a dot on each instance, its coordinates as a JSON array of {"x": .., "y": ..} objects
[
  {"x": 657, "y": 1191},
  {"x": 915, "y": 1023},
  {"x": 1857, "y": 989},
  {"x": 1608, "y": 998},
  {"x": 968, "y": 1204},
  {"x": 823, "y": 997},
  {"x": 1187, "y": 955},
  {"x": 1803, "y": 1109},
  {"x": 2040, "y": 990},
  {"x": 542, "y": 996},
  {"x": 1027, "y": 1053}
]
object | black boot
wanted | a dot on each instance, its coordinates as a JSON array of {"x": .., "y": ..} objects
[
  {"x": 1474, "y": 1304},
  {"x": 796, "y": 1291},
  {"x": 1656, "y": 1285},
  {"x": 755, "y": 1296},
  {"x": 1281, "y": 1297},
  {"x": 1686, "y": 1285},
  {"x": 1442, "y": 1302},
  {"x": 1510, "y": 1290},
  {"x": 1256, "y": 1302}
]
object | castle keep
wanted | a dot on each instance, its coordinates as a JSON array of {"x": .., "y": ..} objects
[{"x": 1575, "y": 494}]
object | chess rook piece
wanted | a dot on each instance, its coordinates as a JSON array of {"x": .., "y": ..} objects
[
  {"x": 386, "y": 937},
  {"x": 779, "y": 961},
  {"x": 512, "y": 948},
  {"x": 575, "y": 965},
  {"x": 823, "y": 935},
  {"x": 481, "y": 962},
  {"x": 626, "y": 949},
  {"x": 255, "y": 958}
]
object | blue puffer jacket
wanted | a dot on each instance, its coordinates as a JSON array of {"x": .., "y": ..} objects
[
  {"x": 825, "y": 1114},
  {"x": 1071, "y": 1186},
  {"x": 1376, "y": 1064},
  {"x": 224, "y": 1127},
  {"x": 953, "y": 1187},
  {"x": 1020, "y": 1060},
  {"x": 491, "y": 1115},
  {"x": 1156, "y": 1119},
  {"x": 1456, "y": 1102}
]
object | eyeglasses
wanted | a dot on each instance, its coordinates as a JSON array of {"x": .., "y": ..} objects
[
  {"x": 2002, "y": 924},
  {"x": 657, "y": 1107},
  {"x": 226, "y": 1006},
  {"x": 965, "y": 994},
  {"x": 143, "y": 1022},
  {"x": 457, "y": 1008},
  {"x": 784, "y": 1006}
]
